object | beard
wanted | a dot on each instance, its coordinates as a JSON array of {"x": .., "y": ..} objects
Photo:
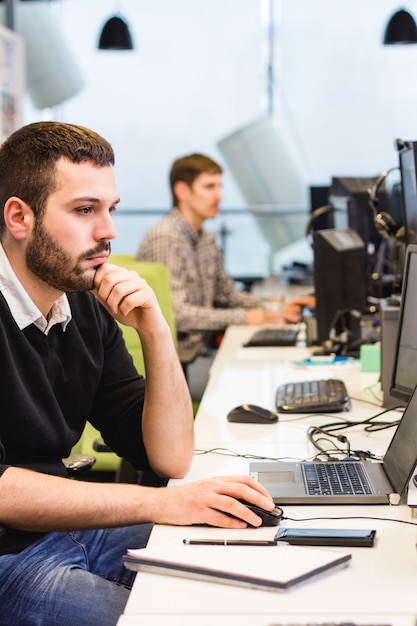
[{"x": 55, "y": 266}]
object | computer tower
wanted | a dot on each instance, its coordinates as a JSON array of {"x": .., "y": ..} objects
[
  {"x": 389, "y": 325},
  {"x": 340, "y": 280}
]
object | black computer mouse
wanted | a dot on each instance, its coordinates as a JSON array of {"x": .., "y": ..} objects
[
  {"x": 269, "y": 518},
  {"x": 252, "y": 414}
]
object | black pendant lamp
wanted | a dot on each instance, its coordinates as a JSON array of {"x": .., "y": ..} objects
[
  {"x": 115, "y": 35},
  {"x": 401, "y": 29}
]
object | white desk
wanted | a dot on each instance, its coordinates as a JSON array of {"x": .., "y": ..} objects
[{"x": 380, "y": 584}]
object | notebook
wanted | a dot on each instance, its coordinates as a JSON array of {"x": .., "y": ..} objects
[
  {"x": 387, "y": 480},
  {"x": 272, "y": 568}
]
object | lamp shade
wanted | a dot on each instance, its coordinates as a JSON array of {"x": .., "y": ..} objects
[
  {"x": 401, "y": 29},
  {"x": 115, "y": 35},
  {"x": 52, "y": 73},
  {"x": 269, "y": 180}
]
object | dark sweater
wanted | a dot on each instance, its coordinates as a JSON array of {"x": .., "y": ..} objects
[{"x": 52, "y": 384}]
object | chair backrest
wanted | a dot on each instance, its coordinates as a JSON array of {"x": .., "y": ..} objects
[{"x": 157, "y": 277}]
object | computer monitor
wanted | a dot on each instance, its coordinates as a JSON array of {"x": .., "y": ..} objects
[
  {"x": 323, "y": 214},
  {"x": 407, "y": 157},
  {"x": 351, "y": 195},
  {"x": 341, "y": 282},
  {"x": 320, "y": 210},
  {"x": 404, "y": 373}
]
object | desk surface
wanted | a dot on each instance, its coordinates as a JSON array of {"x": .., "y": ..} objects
[
  {"x": 250, "y": 618},
  {"x": 380, "y": 582}
]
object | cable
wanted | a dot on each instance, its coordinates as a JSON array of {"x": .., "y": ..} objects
[
  {"x": 314, "y": 430},
  {"x": 369, "y": 423},
  {"x": 343, "y": 340},
  {"x": 349, "y": 517},
  {"x": 327, "y": 429},
  {"x": 256, "y": 457}
]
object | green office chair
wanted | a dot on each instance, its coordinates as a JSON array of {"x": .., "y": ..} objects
[{"x": 157, "y": 276}]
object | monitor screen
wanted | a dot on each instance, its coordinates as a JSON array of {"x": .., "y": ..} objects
[
  {"x": 351, "y": 196},
  {"x": 404, "y": 374},
  {"x": 340, "y": 280},
  {"x": 407, "y": 158}
]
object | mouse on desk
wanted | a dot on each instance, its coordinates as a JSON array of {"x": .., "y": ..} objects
[
  {"x": 252, "y": 414},
  {"x": 269, "y": 518}
]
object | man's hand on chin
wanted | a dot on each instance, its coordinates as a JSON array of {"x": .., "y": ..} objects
[{"x": 128, "y": 298}]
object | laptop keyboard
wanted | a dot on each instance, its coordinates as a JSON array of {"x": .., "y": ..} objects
[
  {"x": 327, "y": 395},
  {"x": 273, "y": 337},
  {"x": 333, "y": 478}
]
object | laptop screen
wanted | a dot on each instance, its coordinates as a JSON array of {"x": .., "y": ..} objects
[
  {"x": 401, "y": 457},
  {"x": 404, "y": 375}
]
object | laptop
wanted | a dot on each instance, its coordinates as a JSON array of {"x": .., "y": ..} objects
[{"x": 382, "y": 482}]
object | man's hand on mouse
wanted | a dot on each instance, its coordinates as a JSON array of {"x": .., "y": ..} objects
[{"x": 211, "y": 501}]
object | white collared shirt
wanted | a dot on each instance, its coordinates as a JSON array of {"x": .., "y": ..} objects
[{"x": 22, "y": 307}]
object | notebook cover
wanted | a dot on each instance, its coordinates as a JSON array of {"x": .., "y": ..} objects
[{"x": 272, "y": 568}]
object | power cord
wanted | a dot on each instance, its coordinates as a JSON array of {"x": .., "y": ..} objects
[
  {"x": 255, "y": 457},
  {"x": 318, "y": 434},
  {"x": 371, "y": 424},
  {"x": 349, "y": 517}
]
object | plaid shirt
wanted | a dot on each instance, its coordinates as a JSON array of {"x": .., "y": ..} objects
[{"x": 204, "y": 297}]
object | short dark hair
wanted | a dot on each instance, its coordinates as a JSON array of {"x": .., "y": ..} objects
[
  {"x": 28, "y": 160},
  {"x": 187, "y": 168}
]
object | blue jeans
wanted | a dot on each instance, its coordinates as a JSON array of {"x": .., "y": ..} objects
[{"x": 68, "y": 579}]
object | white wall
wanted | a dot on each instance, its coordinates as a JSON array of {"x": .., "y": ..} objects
[
  {"x": 194, "y": 75},
  {"x": 198, "y": 73},
  {"x": 346, "y": 96}
]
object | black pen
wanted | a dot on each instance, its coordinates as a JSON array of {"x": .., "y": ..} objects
[{"x": 228, "y": 542}]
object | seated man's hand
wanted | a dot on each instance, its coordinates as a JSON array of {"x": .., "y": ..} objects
[
  {"x": 128, "y": 298},
  {"x": 212, "y": 501},
  {"x": 294, "y": 308},
  {"x": 275, "y": 309}
]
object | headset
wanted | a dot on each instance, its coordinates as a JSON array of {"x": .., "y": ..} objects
[
  {"x": 322, "y": 210},
  {"x": 316, "y": 430},
  {"x": 384, "y": 222}
]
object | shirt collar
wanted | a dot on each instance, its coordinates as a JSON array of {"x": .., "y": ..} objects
[
  {"x": 22, "y": 307},
  {"x": 192, "y": 233}
]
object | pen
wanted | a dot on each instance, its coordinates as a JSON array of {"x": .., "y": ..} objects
[{"x": 228, "y": 542}]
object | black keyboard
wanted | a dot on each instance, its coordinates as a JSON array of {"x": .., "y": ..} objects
[
  {"x": 332, "y": 478},
  {"x": 272, "y": 337},
  {"x": 312, "y": 396}
]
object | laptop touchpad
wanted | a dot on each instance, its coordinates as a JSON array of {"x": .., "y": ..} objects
[{"x": 273, "y": 478}]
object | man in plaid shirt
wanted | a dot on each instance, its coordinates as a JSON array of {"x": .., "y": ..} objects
[{"x": 204, "y": 297}]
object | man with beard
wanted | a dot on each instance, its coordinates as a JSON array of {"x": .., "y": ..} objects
[{"x": 64, "y": 362}]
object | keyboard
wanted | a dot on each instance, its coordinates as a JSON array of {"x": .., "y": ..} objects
[
  {"x": 272, "y": 337},
  {"x": 332, "y": 478},
  {"x": 312, "y": 396}
]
